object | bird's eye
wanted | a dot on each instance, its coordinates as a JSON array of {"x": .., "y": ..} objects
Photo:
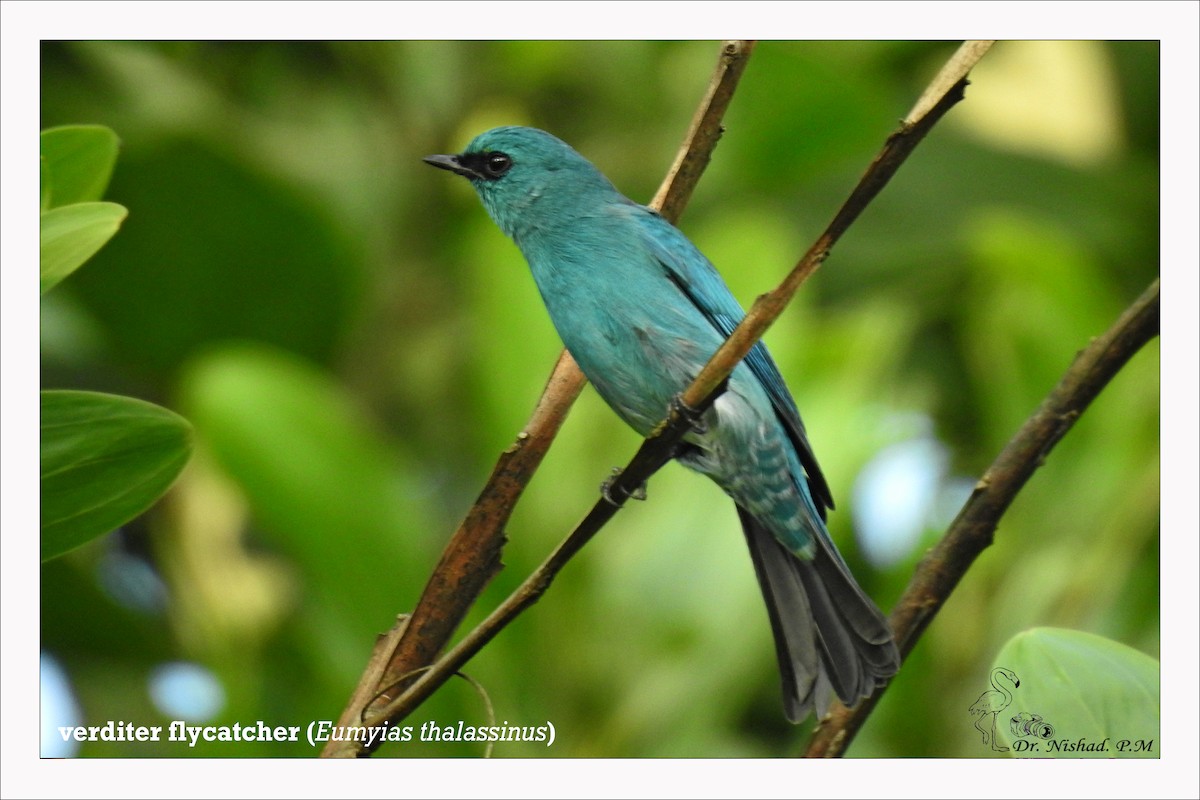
[{"x": 497, "y": 164}]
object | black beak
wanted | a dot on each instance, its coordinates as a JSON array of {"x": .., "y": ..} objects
[{"x": 454, "y": 164}]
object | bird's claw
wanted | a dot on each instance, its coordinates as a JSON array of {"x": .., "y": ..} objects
[
  {"x": 607, "y": 490},
  {"x": 694, "y": 418}
]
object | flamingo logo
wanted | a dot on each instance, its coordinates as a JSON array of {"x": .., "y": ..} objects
[{"x": 991, "y": 703}]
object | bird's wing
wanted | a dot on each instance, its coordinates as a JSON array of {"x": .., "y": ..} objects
[{"x": 699, "y": 280}]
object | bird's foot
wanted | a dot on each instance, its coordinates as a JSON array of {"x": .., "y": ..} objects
[
  {"x": 610, "y": 490},
  {"x": 694, "y": 418}
]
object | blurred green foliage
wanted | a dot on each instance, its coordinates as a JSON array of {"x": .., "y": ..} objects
[{"x": 355, "y": 343}]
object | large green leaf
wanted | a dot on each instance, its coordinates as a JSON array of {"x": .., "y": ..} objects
[
  {"x": 77, "y": 162},
  {"x": 72, "y": 234},
  {"x": 105, "y": 459},
  {"x": 1096, "y": 698}
]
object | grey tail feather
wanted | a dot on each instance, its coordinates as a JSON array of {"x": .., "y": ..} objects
[{"x": 829, "y": 637}]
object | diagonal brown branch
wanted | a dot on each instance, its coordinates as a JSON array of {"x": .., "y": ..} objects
[
  {"x": 972, "y": 531},
  {"x": 472, "y": 556},
  {"x": 940, "y": 96},
  {"x": 658, "y": 448}
]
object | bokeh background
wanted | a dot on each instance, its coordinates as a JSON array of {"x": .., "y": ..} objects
[{"x": 355, "y": 343}]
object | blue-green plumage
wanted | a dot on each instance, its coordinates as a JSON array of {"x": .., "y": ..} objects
[{"x": 642, "y": 310}]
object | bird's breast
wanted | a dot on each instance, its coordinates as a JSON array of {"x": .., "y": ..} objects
[
  {"x": 637, "y": 346},
  {"x": 636, "y": 336},
  {"x": 636, "y": 362}
]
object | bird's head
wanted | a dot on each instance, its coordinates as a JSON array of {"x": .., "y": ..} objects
[{"x": 527, "y": 178}]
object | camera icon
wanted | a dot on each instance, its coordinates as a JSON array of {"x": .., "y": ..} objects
[{"x": 1026, "y": 724}]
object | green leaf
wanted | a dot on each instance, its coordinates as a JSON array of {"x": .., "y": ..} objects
[
  {"x": 105, "y": 460},
  {"x": 72, "y": 234},
  {"x": 77, "y": 162},
  {"x": 1096, "y": 698}
]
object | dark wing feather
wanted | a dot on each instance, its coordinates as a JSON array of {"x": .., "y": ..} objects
[{"x": 699, "y": 280}]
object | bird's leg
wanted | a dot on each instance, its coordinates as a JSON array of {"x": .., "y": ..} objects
[
  {"x": 694, "y": 418},
  {"x": 606, "y": 490}
]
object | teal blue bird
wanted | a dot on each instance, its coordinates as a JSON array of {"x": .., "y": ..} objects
[{"x": 641, "y": 310}]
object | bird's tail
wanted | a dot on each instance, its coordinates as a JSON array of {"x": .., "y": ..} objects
[{"x": 829, "y": 637}]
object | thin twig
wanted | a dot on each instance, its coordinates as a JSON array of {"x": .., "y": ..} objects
[
  {"x": 472, "y": 556},
  {"x": 658, "y": 448},
  {"x": 974, "y": 528},
  {"x": 954, "y": 70},
  {"x": 702, "y": 136}
]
